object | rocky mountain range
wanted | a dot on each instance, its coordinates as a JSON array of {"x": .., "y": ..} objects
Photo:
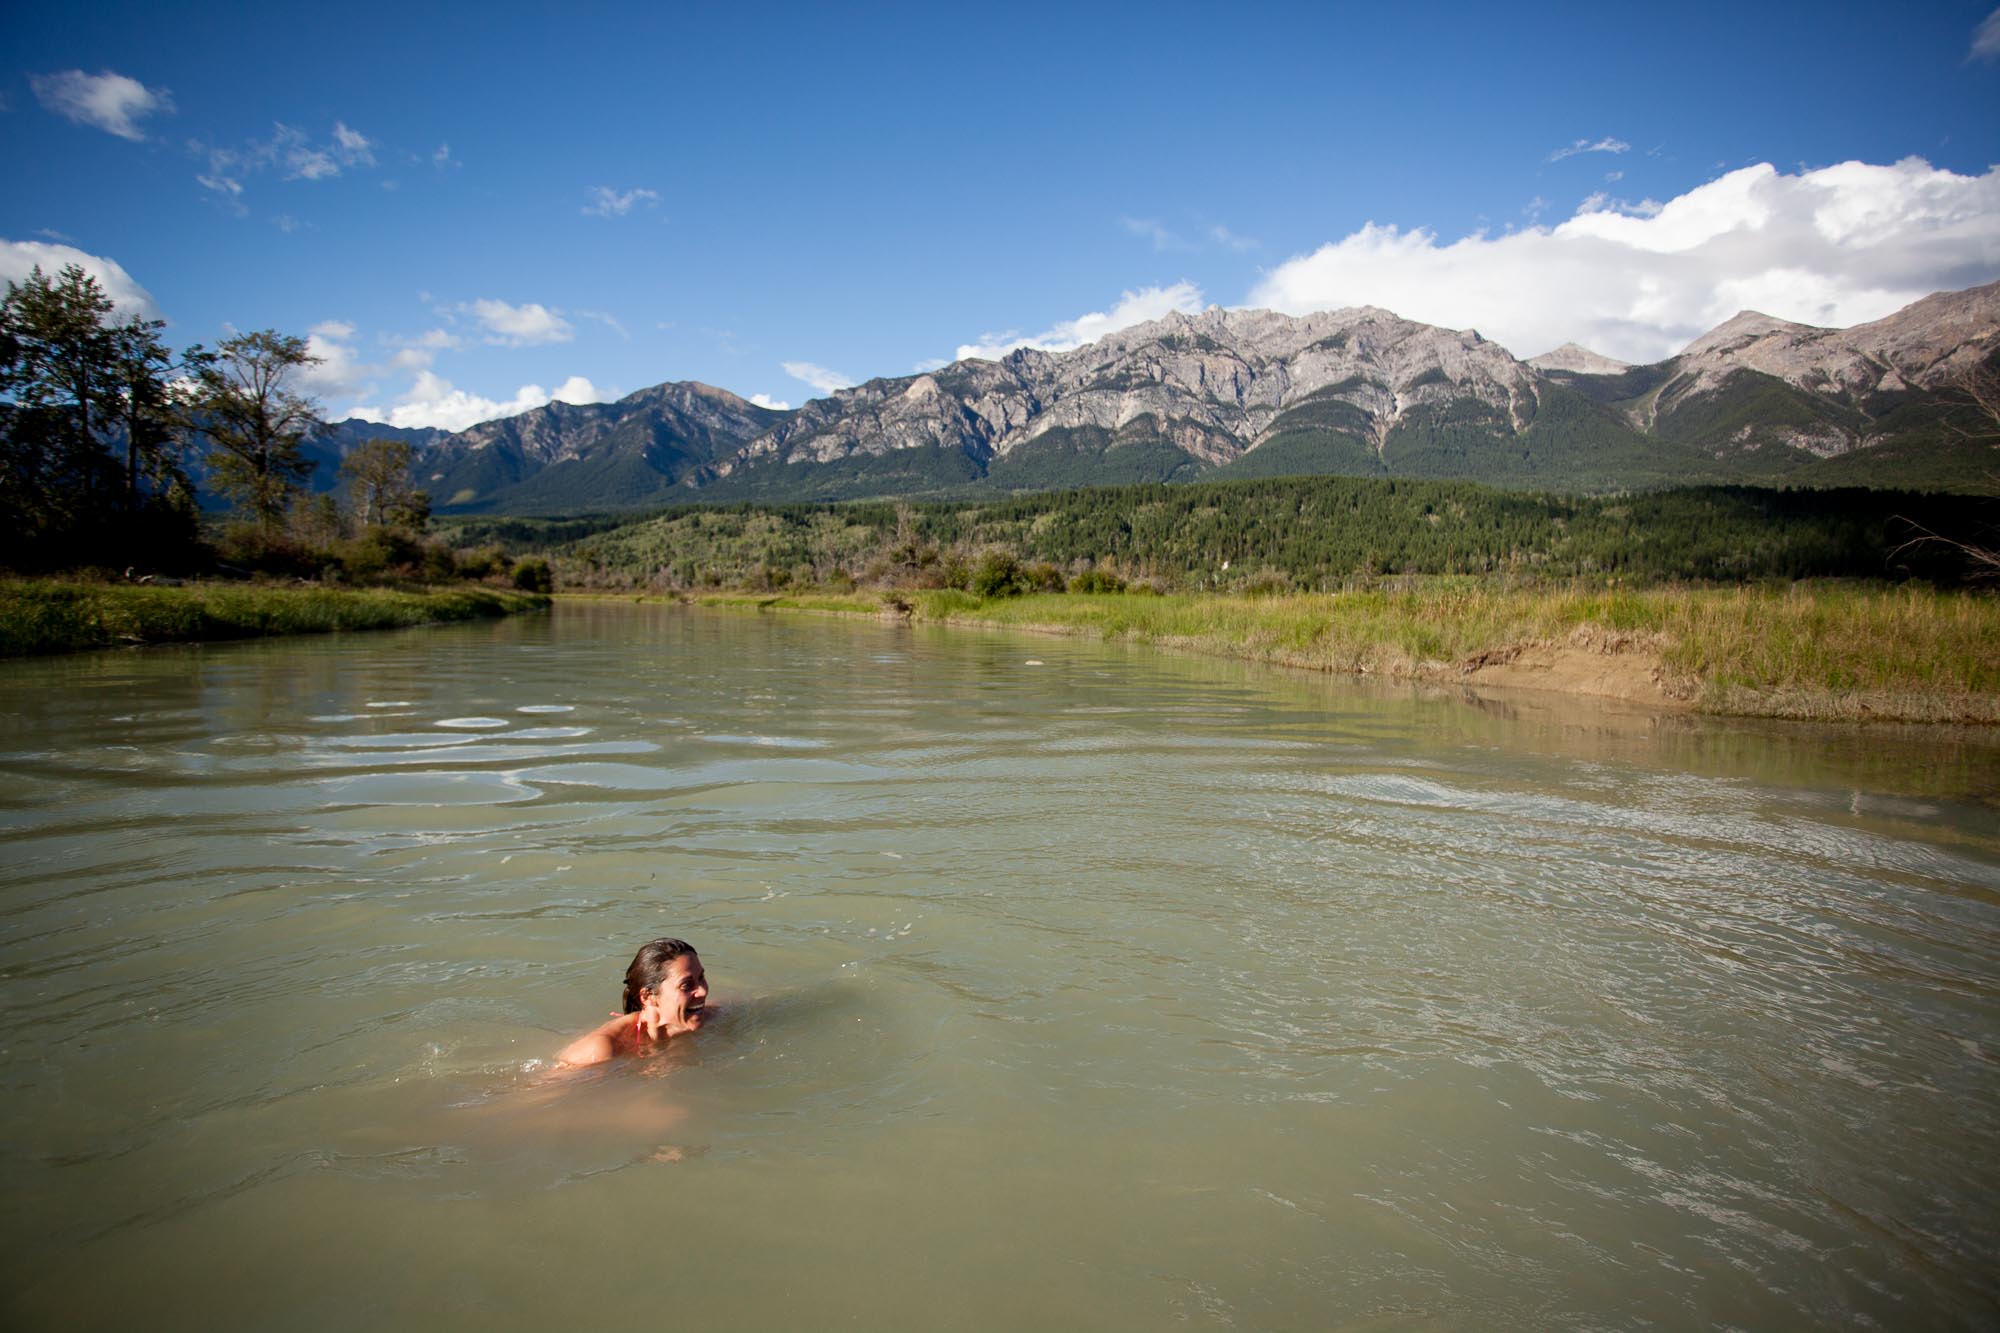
[{"x": 1254, "y": 393}]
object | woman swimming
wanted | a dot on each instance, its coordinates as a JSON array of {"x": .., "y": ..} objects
[{"x": 666, "y": 996}]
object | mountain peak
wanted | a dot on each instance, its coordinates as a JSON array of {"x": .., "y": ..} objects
[
  {"x": 1578, "y": 360},
  {"x": 1742, "y": 329}
]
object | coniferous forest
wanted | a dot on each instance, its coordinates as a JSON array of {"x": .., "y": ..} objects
[{"x": 1274, "y": 534}]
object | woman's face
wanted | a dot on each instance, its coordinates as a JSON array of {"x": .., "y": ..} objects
[{"x": 681, "y": 1001}]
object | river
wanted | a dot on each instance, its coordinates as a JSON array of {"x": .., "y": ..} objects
[{"x": 1059, "y": 984}]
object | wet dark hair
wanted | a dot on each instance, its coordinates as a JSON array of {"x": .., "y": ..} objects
[{"x": 649, "y": 968}]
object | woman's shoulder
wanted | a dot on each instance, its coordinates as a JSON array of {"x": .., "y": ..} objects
[{"x": 596, "y": 1046}]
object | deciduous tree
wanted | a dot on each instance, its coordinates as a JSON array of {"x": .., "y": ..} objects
[
  {"x": 379, "y": 489},
  {"x": 255, "y": 420}
]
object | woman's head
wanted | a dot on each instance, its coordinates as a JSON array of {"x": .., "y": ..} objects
[{"x": 667, "y": 973}]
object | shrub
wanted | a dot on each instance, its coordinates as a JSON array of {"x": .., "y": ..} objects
[
  {"x": 954, "y": 570},
  {"x": 1266, "y": 583},
  {"x": 382, "y": 553},
  {"x": 998, "y": 574},
  {"x": 1043, "y": 577},
  {"x": 532, "y": 574},
  {"x": 265, "y": 550},
  {"x": 439, "y": 564},
  {"x": 484, "y": 562},
  {"x": 1097, "y": 580}
]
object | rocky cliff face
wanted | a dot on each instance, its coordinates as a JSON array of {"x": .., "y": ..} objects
[
  {"x": 1213, "y": 384},
  {"x": 1922, "y": 345},
  {"x": 1822, "y": 392}
]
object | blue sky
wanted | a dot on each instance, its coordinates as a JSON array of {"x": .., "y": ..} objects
[{"x": 472, "y": 208}]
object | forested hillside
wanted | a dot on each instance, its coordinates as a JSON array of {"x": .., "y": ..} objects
[{"x": 1304, "y": 532}]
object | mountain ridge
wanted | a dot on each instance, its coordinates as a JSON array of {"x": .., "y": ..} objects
[{"x": 1359, "y": 391}]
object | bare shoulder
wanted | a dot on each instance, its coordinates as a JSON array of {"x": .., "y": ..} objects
[{"x": 594, "y": 1047}]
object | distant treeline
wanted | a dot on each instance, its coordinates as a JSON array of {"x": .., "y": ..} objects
[{"x": 1292, "y": 532}]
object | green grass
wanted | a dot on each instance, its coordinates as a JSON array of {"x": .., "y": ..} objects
[
  {"x": 1826, "y": 650},
  {"x": 59, "y": 616}
]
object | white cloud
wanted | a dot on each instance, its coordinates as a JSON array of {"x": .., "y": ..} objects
[
  {"x": 607, "y": 319},
  {"x": 1837, "y": 246},
  {"x": 287, "y": 147},
  {"x": 420, "y": 353},
  {"x": 18, "y": 259},
  {"x": 528, "y": 325},
  {"x": 433, "y": 400},
  {"x": 353, "y": 147},
  {"x": 606, "y": 202},
  {"x": 1606, "y": 145},
  {"x": 1138, "y": 307},
  {"x": 766, "y": 400},
  {"x": 339, "y": 370},
  {"x": 309, "y": 164},
  {"x": 111, "y": 102},
  {"x": 1229, "y": 240},
  {"x": 228, "y": 187},
  {"x": 577, "y": 389},
  {"x": 1986, "y": 38},
  {"x": 442, "y": 157},
  {"x": 1162, "y": 239},
  {"x": 930, "y": 363},
  {"x": 826, "y": 381}
]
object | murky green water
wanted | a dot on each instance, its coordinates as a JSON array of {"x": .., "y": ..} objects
[{"x": 1066, "y": 986}]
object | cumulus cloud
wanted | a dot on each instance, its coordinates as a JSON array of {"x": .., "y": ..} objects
[
  {"x": 1986, "y": 38},
  {"x": 1148, "y": 303},
  {"x": 111, "y": 102},
  {"x": 339, "y": 369},
  {"x": 577, "y": 389},
  {"x": 1835, "y": 246},
  {"x": 1606, "y": 145},
  {"x": 606, "y": 202},
  {"x": 19, "y": 259},
  {"x": 528, "y": 325},
  {"x": 766, "y": 400},
  {"x": 420, "y": 352},
  {"x": 826, "y": 381},
  {"x": 433, "y": 400}
]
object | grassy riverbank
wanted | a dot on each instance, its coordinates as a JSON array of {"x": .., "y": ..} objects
[
  {"x": 1821, "y": 651},
  {"x": 59, "y": 616}
]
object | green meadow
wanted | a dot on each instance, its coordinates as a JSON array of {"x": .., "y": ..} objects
[{"x": 66, "y": 615}]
